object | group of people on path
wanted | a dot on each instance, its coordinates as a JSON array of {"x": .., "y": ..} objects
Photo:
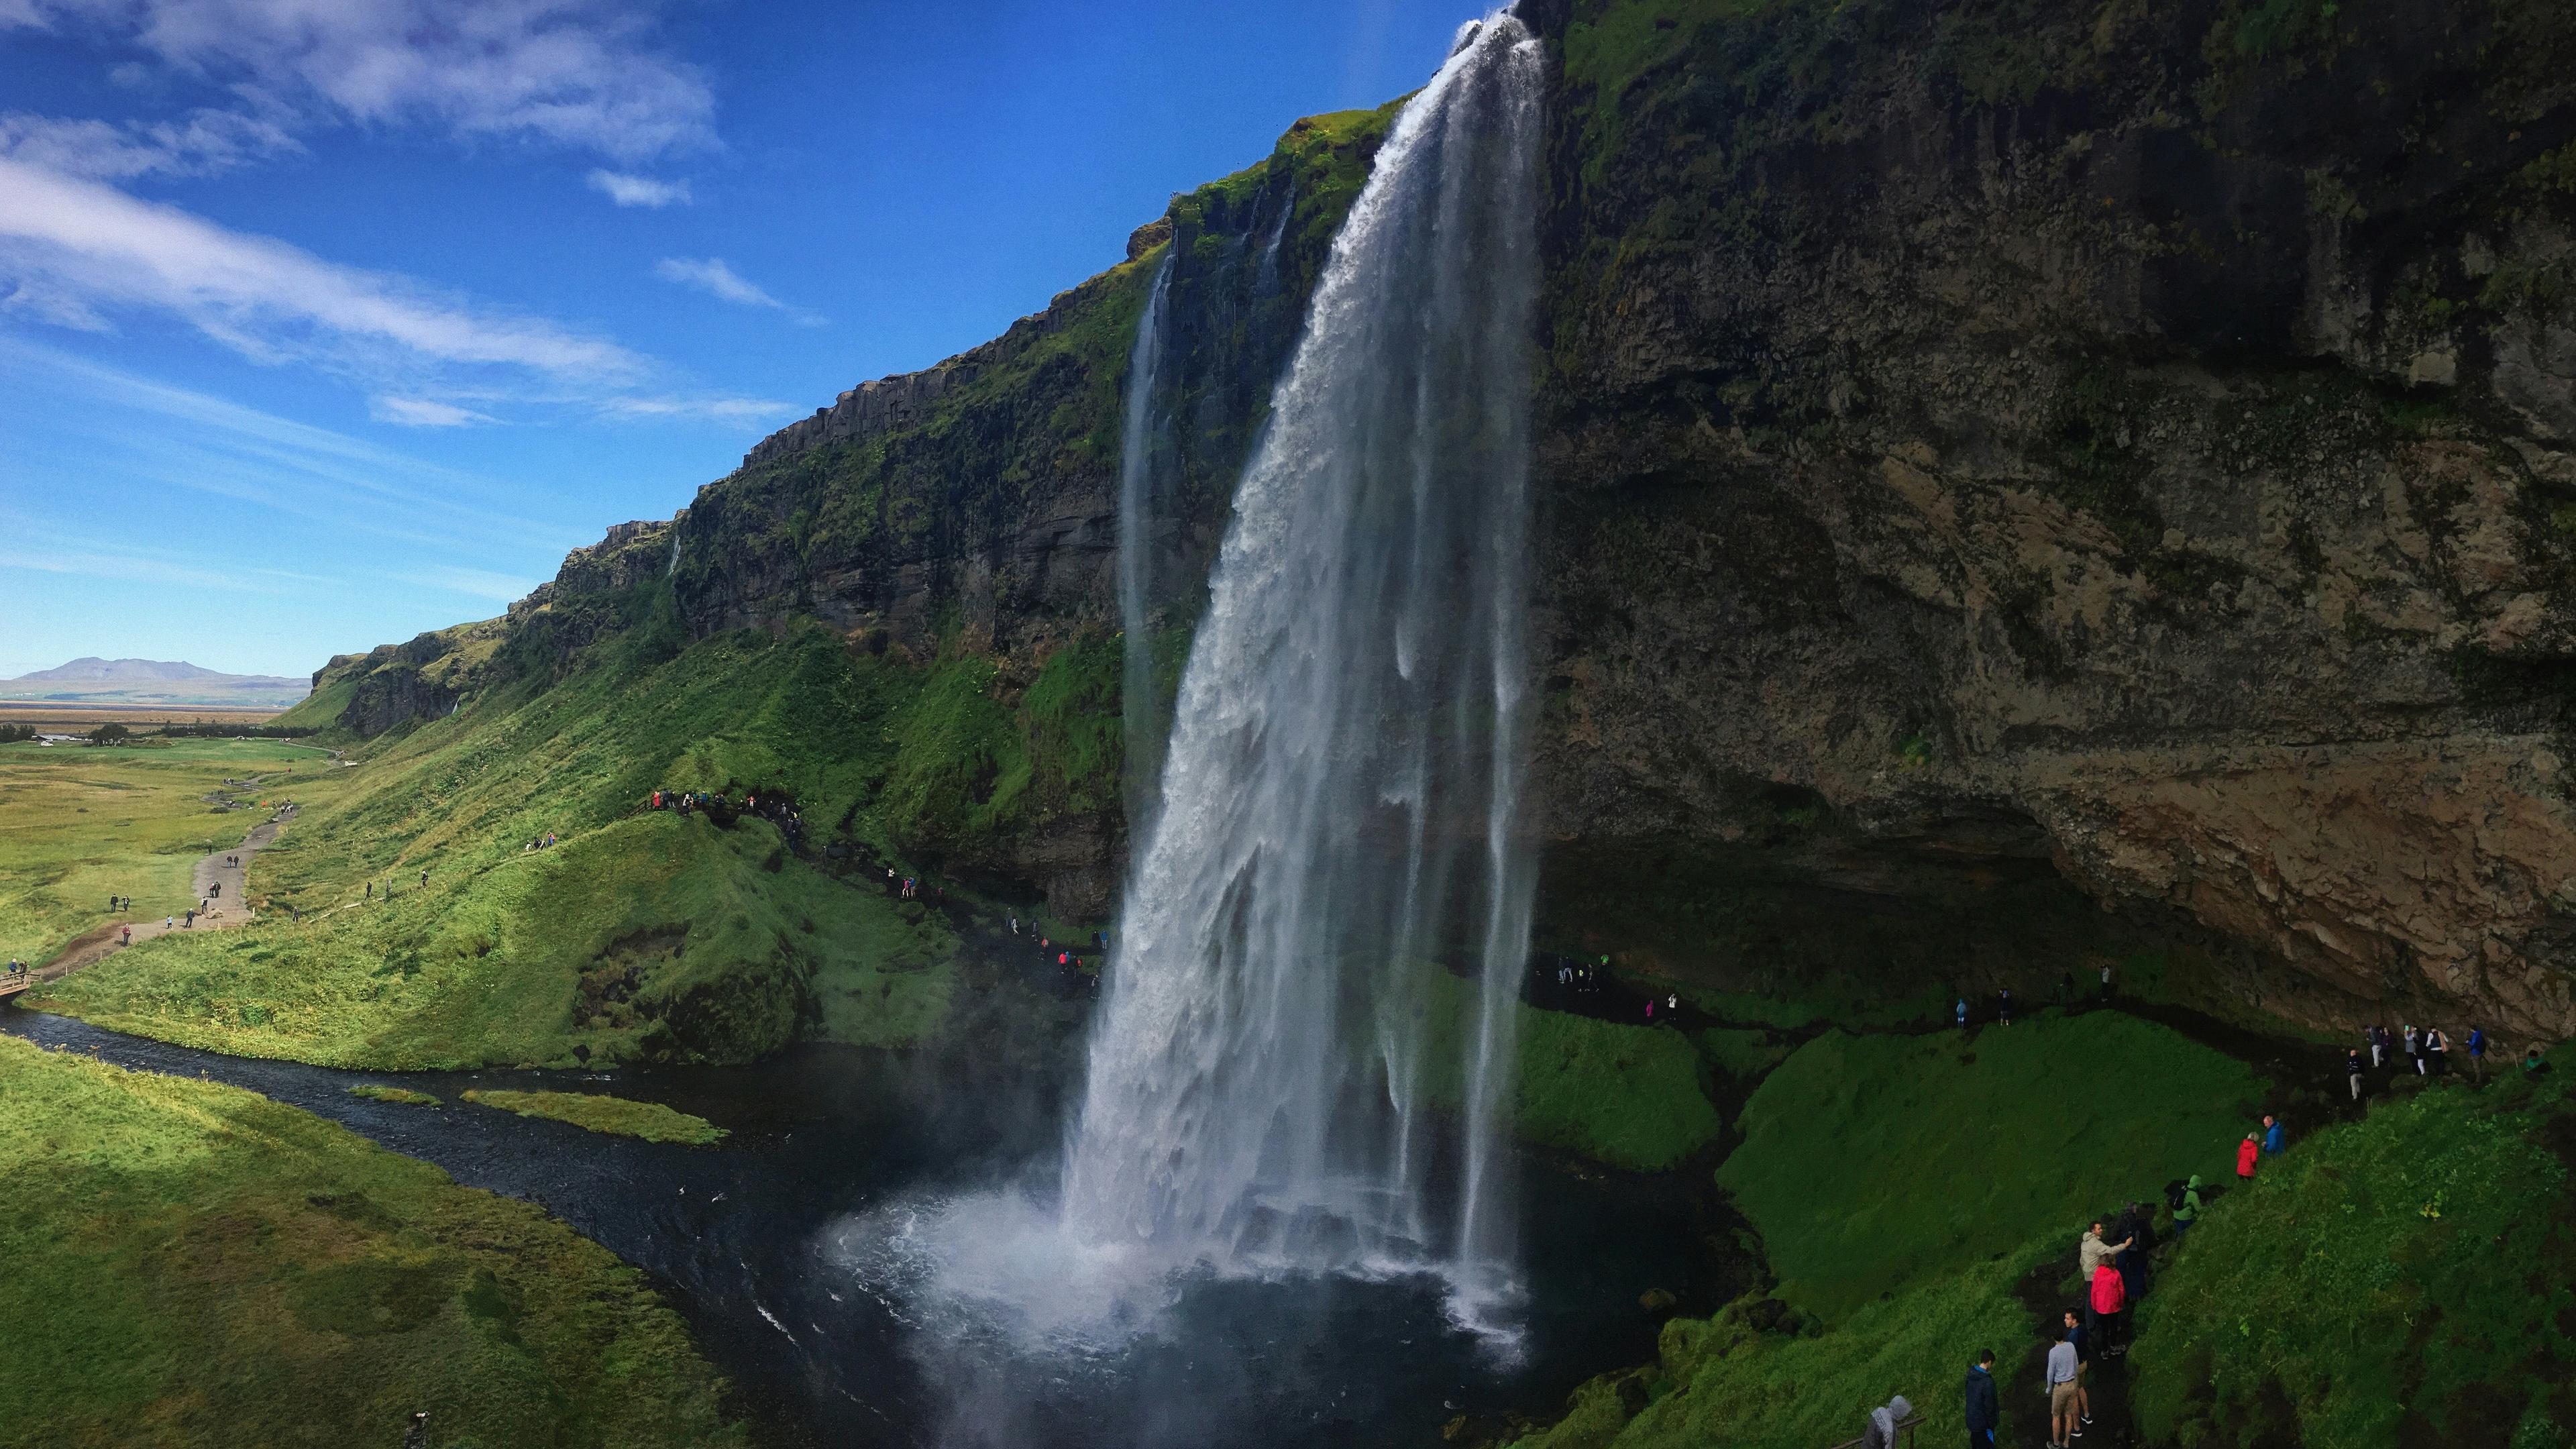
[
  {"x": 2426, "y": 1049},
  {"x": 1064, "y": 956},
  {"x": 773, "y": 805}
]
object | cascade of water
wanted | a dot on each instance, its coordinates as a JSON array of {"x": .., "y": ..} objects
[
  {"x": 1138, "y": 513},
  {"x": 1340, "y": 798},
  {"x": 1266, "y": 279}
]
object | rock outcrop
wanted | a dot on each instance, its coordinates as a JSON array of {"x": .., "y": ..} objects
[{"x": 2022, "y": 483}]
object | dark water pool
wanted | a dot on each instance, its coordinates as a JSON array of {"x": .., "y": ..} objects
[{"x": 749, "y": 1241}]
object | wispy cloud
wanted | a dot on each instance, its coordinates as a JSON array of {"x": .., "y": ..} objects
[
  {"x": 626, "y": 190},
  {"x": 713, "y": 276},
  {"x": 199, "y": 143},
  {"x": 718, "y": 407},
  {"x": 422, "y": 412},
  {"x": 587, "y": 74},
  {"x": 73, "y": 250},
  {"x": 181, "y": 438}
]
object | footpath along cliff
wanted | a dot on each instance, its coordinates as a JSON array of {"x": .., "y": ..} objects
[{"x": 2022, "y": 484}]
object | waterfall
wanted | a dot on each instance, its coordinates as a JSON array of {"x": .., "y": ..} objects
[
  {"x": 1339, "y": 802},
  {"x": 1139, "y": 512}
]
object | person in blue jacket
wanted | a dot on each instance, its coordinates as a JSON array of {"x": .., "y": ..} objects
[
  {"x": 1984, "y": 1414},
  {"x": 2272, "y": 1142}
]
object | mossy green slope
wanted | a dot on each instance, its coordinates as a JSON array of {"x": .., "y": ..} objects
[
  {"x": 641, "y": 934},
  {"x": 2408, "y": 1279},
  {"x": 1871, "y": 1160},
  {"x": 1903, "y": 1186},
  {"x": 194, "y": 1265}
]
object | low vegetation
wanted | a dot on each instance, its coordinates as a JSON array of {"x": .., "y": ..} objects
[
  {"x": 598, "y": 1112},
  {"x": 79, "y": 825},
  {"x": 377, "y": 1092},
  {"x": 2407, "y": 1279},
  {"x": 1902, "y": 1187},
  {"x": 194, "y": 1265}
]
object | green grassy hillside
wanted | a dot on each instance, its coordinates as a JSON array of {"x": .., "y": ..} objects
[
  {"x": 642, "y": 934},
  {"x": 1902, "y": 1187},
  {"x": 194, "y": 1265},
  {"x": 2409, "y": 1279}
]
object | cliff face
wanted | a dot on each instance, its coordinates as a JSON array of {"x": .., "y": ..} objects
[{"x": 2022, "y": 482}]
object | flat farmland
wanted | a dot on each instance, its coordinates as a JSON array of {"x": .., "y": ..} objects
[{"x": 80, "y": 823}]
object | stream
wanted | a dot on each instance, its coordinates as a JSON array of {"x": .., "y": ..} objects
[{"x": 743, "y": 1239}]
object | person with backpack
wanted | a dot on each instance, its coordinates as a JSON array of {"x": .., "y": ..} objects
[
  {"x": 2246, "y": 1152},
  {"x": 2437, "y": 1050},
  {"x": 1984, "y": 1411},
  {"x": 2138, "y": 1226},
  {"x": 1884, "y": 1422}
]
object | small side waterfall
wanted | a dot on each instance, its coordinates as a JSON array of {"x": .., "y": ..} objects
[
  {"x": 1140, "y": 509},
  {"x": 1339, "y": 806}
]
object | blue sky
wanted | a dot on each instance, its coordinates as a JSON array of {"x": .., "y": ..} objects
[{"x": 323, "y": 322}]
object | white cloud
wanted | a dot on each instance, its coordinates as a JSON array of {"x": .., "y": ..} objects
[
  {"x": 718, "y": 408},
  {"x": 72, "y": 250},
  {"x": 581, "y": 73},
  {"x": 714, "y": 278},
  {"x": 200, "y": 143},
  {"x": 628, "y": 190},
  {"x": 421, "y": 412}
]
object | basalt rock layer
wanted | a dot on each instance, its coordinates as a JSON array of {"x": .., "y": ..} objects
[{"x": 2020, "y": 483}]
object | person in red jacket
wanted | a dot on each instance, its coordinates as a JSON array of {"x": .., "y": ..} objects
[
  {"x": 2102, "y": 1327},
  {"x": 2246, "y": 1151}
]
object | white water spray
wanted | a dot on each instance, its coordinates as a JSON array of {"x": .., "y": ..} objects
[{"x": 1341, "y": 796}]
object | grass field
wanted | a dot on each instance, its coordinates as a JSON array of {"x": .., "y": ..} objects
[
  {"x": 194, "y": 1265},
  {"x": 1902, "y": 1187},
  {"x": 79, "y": 824},
  {"x": 2407, "y": 1279},
  {"x": 598, "y": 1112}
]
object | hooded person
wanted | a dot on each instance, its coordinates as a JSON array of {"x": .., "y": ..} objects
[
  {"x": 1883, "y": 1421},
  {"x": 2187, "y": 1211}
]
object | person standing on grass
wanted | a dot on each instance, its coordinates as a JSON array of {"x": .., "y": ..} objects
[
  {"x": 2186, "y": 1207},
  {"x": 2272, "y": 1139},
  {"x": 2061, "y": 1391},
  {"x": 2352, "y": 1071},
  {"x": 1985, "y": 1414},
  {"x": 2478, "y": 1053},
  {"x": 2246, "y": 1152}
]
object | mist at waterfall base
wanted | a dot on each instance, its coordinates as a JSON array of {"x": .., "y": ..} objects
[{"x": 1294, "y": 1116}]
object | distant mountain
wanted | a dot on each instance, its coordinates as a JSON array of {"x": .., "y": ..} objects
[{"x": 153, "y": 681}]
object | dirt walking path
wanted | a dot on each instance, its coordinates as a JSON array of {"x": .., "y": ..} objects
[{"x": 228, "y": 868}]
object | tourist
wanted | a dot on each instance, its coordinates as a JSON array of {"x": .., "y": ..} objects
[
  {"x": 2003, "y": 1006},
  {"x": 2186, "y": 1207},
  {"x": 2352, "y": 1070},
  {"x": 2110, "y": 1297},
  {"x": 1883, "y": 1422},
  {"x": 1650, "y": 1008},
  {"x": 2414, "y": 1049},
  {"x": 2437, "y": 1050},
  {"x": 2534, "y": 1064},
  {"x": 2246, "y": 1152},
  {"x": 2092, "y": 1251},
  {"x": 2138, "y": 1225},
  {"x": 1963, "y": 1013},
  {"x": 2377, "y": 1036},
  {"x": 2062, "y": 1361},
  {"x": 371, "y": 890},
  {"x": 2478, "y": 1053},
  {"x": 126, "y": 937},
  {"x": 2272, "y": 1140},
  {"x": 1985, "y": 1413},
  {"x": 2072, "y": 1329},
  {"x": 169, "y": 922},
  {"x": 2106, "y": 983},
  {"x": 1672, "y": 1002}
]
